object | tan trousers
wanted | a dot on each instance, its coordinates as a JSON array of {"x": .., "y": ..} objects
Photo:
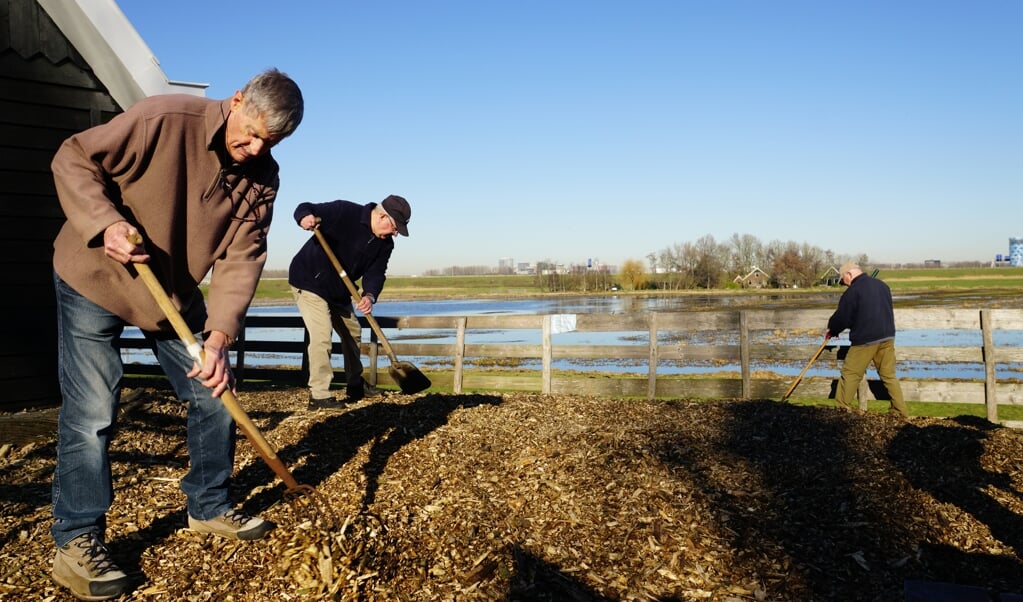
[
  {"x": 322, "y": 319},
  {"x": 882, "y": 355}
]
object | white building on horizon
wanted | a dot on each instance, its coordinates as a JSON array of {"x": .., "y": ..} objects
[{"x": 1016, "y": 252}]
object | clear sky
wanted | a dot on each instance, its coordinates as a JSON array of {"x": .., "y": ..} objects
[{"x": 572, "y": 129}]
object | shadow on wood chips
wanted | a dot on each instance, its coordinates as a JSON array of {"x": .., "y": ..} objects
[{"x": 531, "y": 497}]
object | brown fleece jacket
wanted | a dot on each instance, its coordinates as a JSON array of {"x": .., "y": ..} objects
[{"x": 162, "y": 166}]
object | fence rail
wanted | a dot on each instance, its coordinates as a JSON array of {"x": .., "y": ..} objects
[{"x": 744, "y": 345}]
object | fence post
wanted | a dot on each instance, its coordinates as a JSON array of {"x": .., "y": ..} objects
[
  {"x": 744, "y": 355},
  {"x": 651, "y": 387},
  {"x": 459, "y": 353},
  {"x": 305, "y": 354},
  {"x": 545, "y": 374},
  {"x": 374, "y": 361},
  {"x": 239, "y": 364},
  {"x": 990, "y": 400}
]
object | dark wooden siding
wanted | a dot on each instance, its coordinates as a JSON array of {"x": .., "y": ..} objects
[{"x": 47, "y": 93}]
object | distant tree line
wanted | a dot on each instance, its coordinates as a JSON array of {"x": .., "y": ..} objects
[
  {"x": 708, "y": 264},
  {"x": 705, "y": 264},
  {"x": 702, "y": 264},
  {"x": 468, "y": 270}
]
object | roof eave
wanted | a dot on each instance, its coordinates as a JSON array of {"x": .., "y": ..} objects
[{"x": 115, "y": 51}]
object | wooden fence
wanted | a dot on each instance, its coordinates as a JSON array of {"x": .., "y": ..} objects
[{"x": 734, "y": 341}]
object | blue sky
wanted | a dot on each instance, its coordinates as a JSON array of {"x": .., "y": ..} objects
[{"x": 578, "y": 129}]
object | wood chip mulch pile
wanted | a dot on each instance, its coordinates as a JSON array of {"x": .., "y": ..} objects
[{"x": 532, "y": 497}]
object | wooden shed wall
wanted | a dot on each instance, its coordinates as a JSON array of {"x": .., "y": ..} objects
[{"x": 47, "y": 93}]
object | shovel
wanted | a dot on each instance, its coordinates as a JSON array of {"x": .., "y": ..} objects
[
  {"x": 245, "y": 424},
  {"x": 408, "y": 377},
  {"x": 800, "y": 377}
]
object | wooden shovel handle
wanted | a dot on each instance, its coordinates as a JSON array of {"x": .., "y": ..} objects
[
  {"x": 355, "y": 294},
  {"x": 228, "y": 398},
  {"x": 799, "y": 378}
]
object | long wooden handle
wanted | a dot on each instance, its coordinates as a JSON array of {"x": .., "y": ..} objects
[
  {"x": 228, "y": 398},
  {"x": 800, "y": 377},
  {"x": 355, "y": 295}
]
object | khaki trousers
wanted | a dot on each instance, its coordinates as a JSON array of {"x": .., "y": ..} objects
[
  {"x": 882, "y": 355},
  {"x": 322, "y": 319}
]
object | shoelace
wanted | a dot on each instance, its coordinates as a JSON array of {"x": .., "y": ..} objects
[
  {"x": 96, "y": 555},
  {"x": 238, "y": 517}
]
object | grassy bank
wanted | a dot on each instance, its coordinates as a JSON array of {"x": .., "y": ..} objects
[{"x": 930, "y": 278}]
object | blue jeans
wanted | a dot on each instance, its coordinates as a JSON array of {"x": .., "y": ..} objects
[{"x": 90, "y": 371}]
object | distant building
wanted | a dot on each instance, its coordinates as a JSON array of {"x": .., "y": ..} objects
[
  {"x": 506, "y": 265},
  {"x": 1016, "y": 252},
  {"x": 757, "y": 278},
  {"x": 830, "y": 277},
  {"x": 932, "y": 263}
]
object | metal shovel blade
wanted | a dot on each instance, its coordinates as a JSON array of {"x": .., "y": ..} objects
[{"x": 409, "y": 378}]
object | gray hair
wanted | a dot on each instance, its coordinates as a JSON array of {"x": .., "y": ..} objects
[{"x": 278, "y": 100}]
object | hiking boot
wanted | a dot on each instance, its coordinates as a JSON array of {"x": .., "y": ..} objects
[
  {"x": 233, "y": 524},
  {"x": 84, "y": 566},
  {"x": 325, "y": 403}
]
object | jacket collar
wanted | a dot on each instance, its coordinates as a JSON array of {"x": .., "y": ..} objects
[{"x": 216, "y": 117}]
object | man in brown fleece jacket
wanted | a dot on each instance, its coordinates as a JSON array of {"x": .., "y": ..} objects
[{"x": 196, "y": 179}]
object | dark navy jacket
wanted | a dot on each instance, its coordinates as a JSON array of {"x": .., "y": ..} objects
[
  {"x": 865, "y": 308},
  {"x": 346, "y": 226}
]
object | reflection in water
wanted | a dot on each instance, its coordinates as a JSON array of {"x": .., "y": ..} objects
[{"x": 624, "y": 304}]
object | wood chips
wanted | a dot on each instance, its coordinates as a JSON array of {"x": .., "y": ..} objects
[{"x": 532, "y": 497}]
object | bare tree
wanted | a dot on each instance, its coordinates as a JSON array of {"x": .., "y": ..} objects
[
  {"x": 816, "y": 261},
  {"x": 710, "y": 262},
  {"x": 688, "y": 262},
  {"x": 789, "y": 270},
  {"x": 652, "y": 259},
  {"x": 746, "y": 253},
  {"x": 669, "y": 262},
  {"x": 679, "y": 262}
]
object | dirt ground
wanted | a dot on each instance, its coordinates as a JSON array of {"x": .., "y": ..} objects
[{"x": 531, "y": 497}]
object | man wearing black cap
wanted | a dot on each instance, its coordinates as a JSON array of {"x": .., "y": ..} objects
[{"x": 361, "y": 236}]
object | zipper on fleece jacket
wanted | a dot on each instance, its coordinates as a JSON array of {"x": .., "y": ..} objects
[{"x": 218, "y": 181}]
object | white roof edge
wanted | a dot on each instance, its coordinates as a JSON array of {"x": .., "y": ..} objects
[{"x": 118, "y": 55}]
